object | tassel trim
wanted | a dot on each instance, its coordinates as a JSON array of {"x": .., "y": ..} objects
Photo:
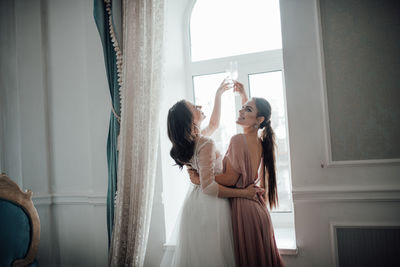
[{"x": 118, "y": 54}]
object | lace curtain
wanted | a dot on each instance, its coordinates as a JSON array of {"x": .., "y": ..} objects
[{"x": 143, "y": 29}]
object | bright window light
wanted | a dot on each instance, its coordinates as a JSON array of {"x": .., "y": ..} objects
[{"x": 225, "y": 28}]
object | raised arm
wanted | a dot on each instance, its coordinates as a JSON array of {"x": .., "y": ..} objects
[{"x": 216, "y": 113}]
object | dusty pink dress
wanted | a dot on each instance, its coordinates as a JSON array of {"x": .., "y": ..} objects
[{"x": 253, "y": 233}]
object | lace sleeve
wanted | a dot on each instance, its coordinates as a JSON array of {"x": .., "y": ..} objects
[{"x": 206, "y": 163}]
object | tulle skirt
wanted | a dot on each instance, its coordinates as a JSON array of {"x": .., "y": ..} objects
[{"x": 204, "y": 233}]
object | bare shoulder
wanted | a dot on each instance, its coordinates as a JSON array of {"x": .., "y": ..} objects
[{"x": 237, "y": 139}]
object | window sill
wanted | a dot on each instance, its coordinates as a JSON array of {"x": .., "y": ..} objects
[{"x": 288, "y": 251}]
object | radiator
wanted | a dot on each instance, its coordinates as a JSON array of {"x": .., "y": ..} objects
[{"x": 368, "y": 246}]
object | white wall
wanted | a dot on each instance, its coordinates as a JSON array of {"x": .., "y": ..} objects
[
  {"x": 9, "y": 93},
  {"x": 55, "y": 108},
  {"x": 348, "y": 195}
]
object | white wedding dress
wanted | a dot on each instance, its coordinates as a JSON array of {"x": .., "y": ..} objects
[{"x": 204, "y": 229}]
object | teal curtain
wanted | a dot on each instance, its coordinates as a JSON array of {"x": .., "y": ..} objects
[{"x": 101, "y": 18}]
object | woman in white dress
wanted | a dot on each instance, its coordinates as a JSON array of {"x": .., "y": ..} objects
[{"x": 205, "y": 227}]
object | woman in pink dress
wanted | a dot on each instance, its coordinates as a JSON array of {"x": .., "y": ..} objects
[{"x": 250, "y": 159}]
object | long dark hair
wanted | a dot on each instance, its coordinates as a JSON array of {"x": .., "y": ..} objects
[
  {"x": 268, "y": 147},
  {"x": 180, "y": 121}
]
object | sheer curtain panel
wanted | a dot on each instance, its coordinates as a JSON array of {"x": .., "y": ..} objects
[{"x": 143, "y": 30}]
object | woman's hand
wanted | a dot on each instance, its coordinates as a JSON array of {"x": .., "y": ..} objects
[
  {"x": 224, "y": 86},
  {"x": 194, "y": 176},
  {"x": 251, "y": 191},
  {"x": 238, "y": 87}
]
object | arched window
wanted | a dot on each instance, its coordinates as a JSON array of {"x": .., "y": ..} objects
[{"x": 242, "y": 36}]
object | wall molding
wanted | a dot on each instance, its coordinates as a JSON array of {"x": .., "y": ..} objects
[
  {"x": 351, "y": 163},
  {"x": 301, "y": 195},
  {"x": 371, "y": 195},
  {"x": 329, "y": 162},
  {"x": 333, "y": 225},
  {"x": 70, "y": 199}
]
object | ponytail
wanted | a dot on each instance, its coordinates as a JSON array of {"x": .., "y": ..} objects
[{"x": 268, "y": 150}]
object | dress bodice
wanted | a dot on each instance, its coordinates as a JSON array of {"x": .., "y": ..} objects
[{"x": 194, "y": 162}]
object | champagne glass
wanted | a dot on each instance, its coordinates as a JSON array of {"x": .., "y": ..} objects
[
  {"x": 234, "y": 70},
  {"x": 232, "y": 73}
]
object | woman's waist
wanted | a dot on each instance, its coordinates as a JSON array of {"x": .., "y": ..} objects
[{"x": 259, "y": 199}]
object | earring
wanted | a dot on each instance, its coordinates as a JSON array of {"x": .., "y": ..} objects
[{"x": 256, "y": 126}]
